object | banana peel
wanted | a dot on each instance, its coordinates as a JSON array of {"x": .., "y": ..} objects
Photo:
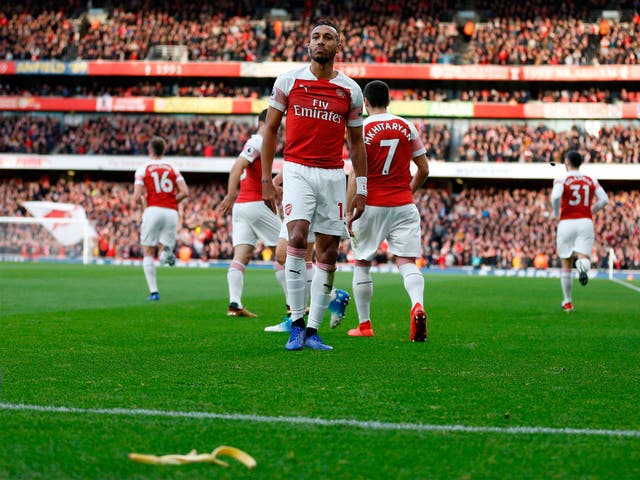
[{"x": 194, "y": 457}]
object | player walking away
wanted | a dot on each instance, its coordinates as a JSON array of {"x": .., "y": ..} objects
[
  {"x": 251, "y": 219},
  {"x": 165, "y": 189},
  {"x": 320, "y": 103},
  {"x": 391, "y": 144},
  {"x": 577, "y": 197}
]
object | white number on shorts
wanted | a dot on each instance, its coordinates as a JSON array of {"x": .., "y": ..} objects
[
  {"x": 576, "y": 198},
  {"x": 164, "y": 183},
  {"x": 392, "y": 144}
]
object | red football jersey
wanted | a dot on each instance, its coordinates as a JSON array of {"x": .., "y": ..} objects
[
  {"x": 251, "y": 179},
  {"x": 159, "y": 178},
  {"x": 391, "y": 143},
  {"x": 317, "y": 113},
  {"x": 577, "y": 195}
]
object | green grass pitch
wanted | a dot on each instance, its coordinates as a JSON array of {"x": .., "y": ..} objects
[{"x": 501, "y": 356}]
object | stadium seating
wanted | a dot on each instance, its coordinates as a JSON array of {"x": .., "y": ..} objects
[{"x": 500, "y": 227}]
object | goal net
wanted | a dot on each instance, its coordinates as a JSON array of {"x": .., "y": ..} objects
[{"x": 28, "y": 238}]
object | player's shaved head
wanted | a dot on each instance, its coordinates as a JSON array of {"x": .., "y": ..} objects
[{"x": 327, "y": 23}]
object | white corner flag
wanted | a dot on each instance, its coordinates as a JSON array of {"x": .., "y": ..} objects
[{"x": 65, "y": 221}]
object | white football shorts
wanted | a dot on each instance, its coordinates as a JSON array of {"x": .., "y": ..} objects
[
  {"x": 252, "y": 221},
  {"x": 159, "y": 224},
  {"x": 574, "y": 235},
  {"x": 400, "y": 226},
  {"x": 317, "y": 195}
]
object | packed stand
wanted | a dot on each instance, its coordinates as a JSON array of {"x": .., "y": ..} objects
[
  {"x": 498, "y": 227},
  {"x": 409, "y": 31},
  {"x": 218, "y": 88},
  {"x": 128, "y": 135},
  {"x": 144, "y": 88},
  {"x": 520, "y": 142}
]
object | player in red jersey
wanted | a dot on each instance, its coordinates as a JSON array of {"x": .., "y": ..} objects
[
  {"x": 320, "y": 104},
  {"x": 251, "y": 218},
  {"x": 165, "y": 188},
  {"x": 392, "y": 143},
  {"x": 576, "y": 197}
]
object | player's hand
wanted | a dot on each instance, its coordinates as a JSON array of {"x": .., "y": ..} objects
[
  {"x": 357, "y": 209},
  {"x": 225, "y": 207},
  {"x": 270, "y": 196}
]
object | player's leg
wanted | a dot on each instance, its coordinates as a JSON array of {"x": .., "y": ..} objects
[
  {"x": 566, "y": 282},
  {"x": 405, "y": 240},
  {"x": 368, "y": 231},
  {"x": 582, "y": 248},
  {"x": 299, "y": 202},
  {"x": 296, "y": 278},
  {"x": 362, "y": 286},
  {"x": 149, "y": 268},
  {"x": 321, "y": 286},
  {"x": 414, "y": 285},
  {"x": 168, "y": 237},
  {"x": 244, "y": 239},
  {"x": 565, "y": 237},
  {"x": 281, "y": 257},
  {"x": 242, "y": 254},
  {"x": 149, "y": 237},
  {"x": 329, "y": 228}
]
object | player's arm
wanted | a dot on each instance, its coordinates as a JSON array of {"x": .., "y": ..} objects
[
  {"x": 421, "y": 175},
  {"x": 351, "y": 193},
  {"x": 556, "y": 196},
  {"x": 601, "y": 200},
  {"x": 183, "y": 190},
  {"x": 138, "y": 195},
  {"x": 233, "y": 186},
  {"x": 267, "y": 154},
  {"x": 359, "y": 163}
]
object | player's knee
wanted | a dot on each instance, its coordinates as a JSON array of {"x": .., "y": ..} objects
[
  {"x": 327, "y": 256},
  {"x": 298, "y": 239}
]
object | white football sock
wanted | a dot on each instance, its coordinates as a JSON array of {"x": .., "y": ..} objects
[
  {"x": 413, "y": 282},
  {"x": 282, "y": 280},
  {"x": 296, "y": 274},
  {"x": 320, "y": 294},
  {"x": 566, "y": 281},
  {"x": 311, "y": 269},
  {"x": 149, "y": 269},
  {"x": 362, "y": 292},
  {"x": 235, "y": 280}
]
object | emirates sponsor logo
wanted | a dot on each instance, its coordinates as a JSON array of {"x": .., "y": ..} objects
[{"x": 315, "y": 113}]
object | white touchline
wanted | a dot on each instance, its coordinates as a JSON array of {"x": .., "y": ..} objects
[
  {"x": 625, "y": 284},
  {"x": 373, "y": 425}
]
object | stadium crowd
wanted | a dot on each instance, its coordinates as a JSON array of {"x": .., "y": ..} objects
[
  {"x": 207, "y": 136},
  {"x": 490, "y": 226},
  {"x": 128, "y": 135},
  {"x": 518, "y": 142},
  {"x": 406, "y": 31},
  {"x": 208, "y": 88}
]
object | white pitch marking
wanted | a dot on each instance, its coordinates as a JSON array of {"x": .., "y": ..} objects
[
  {"x": 371, "y": 425},
  {"x": 625, "y": 284}
]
